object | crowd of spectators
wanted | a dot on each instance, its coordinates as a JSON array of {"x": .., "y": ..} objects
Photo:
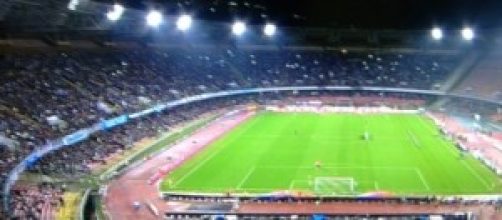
[
  {"x": 485, "y": 78},
  {"x": 35, "y": 202},
  {"x": 48, "y": 95},
  {"x": 469, "y": 108},
  {"x": 418, "y": 71}
]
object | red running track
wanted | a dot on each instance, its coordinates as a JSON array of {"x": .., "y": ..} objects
[{"x": 135, "y": 185}]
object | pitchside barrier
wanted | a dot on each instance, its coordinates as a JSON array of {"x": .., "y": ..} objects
[
  {"x": 336, "y": 109},
  {"x": 83, "y": 134},
  {"x": 306, "y": 215}
]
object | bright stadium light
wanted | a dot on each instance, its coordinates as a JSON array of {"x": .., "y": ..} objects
[
  {"x": 467, "y": 33},
  {"x": 116, "y": 13},
  {"x": 269, "y": 29},
  {"x": 72, "y": 5},
  {"x": 436, "y": 33},
  {"x": 184, "y": 22},
  {"x": 238, "y": 28},
  {"x": 154, "y": 18}
]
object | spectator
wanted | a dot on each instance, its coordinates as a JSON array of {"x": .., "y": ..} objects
[{"x": 46, "y": 96}]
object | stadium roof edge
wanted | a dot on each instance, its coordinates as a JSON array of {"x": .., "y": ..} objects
[
  {"x": 212, "y": 32},
  {"x": 39, "y": 44}
]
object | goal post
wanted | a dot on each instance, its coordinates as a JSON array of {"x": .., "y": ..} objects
[{"x": 331, "y": 185}]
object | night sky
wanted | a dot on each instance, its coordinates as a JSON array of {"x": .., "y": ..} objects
[{"x": 368, "y": 14}]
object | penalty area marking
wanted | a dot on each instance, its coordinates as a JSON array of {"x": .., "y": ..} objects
[
  {"x": 415, "y": 170},
  {"x": 293, "y": 183},
  {"x": 334, "y": 166}
]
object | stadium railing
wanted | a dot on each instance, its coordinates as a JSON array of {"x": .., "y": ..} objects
[{"x": 83, "y": 203}]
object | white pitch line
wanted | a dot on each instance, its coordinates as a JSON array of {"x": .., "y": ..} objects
[
  {"x": 473, "y": 172},
  {"x": 293, "y": 183},
  {"x": 424, "y": 182},
  {"x": 413, "y": 138},
  {"x": 466, "y": 165},
  {"x": 328, "y": 166},
  {"x": 196, "y": 168},
  {"x": 246, "y": 177},
  {"x": 476, "y": 175},
  {"x": 422, "y": 122},
  {"x": 207, "y": 159},
  {"x": 375, "y": 183}
]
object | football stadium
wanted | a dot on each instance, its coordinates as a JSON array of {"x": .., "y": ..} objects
[{"x": 250, "y": 109}]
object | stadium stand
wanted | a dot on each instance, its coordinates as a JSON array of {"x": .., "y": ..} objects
[
  {"x": 51, "y": 94},
  {"x": 74, "y": 72},
  {"x": 36, "y": 202},
  {"x": 485, "y": 78}
]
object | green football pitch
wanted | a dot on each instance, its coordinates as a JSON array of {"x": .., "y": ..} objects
[{"x": 328, "y": 154}]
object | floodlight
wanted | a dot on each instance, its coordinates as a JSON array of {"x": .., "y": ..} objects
[
  {"x": 238, "y": 28},
  {"x": 116, "y": 13},
  {"x": 467, "y": 33},
  {"x": 269, "y": 29},
  {"x": 154, "y": 18},
  {"x": 184, "y": 22},
  {"x": 436, "y": 33},
  {"x": 72, "y": 5}
]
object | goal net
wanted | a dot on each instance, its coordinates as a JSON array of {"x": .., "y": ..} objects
[{"x": 334, "y": 185}]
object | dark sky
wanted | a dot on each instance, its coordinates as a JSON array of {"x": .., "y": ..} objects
[
  {"x": 371, "y": 14},
  {"x": 403, "y": 14}
]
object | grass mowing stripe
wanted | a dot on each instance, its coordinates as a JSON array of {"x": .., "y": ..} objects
[
  {"x": 196, "y": 167},
  {"x": 475, "y": 174},
  {"x": 413, "y": 138},
  {"x": 428, "y": 126},
  {"x": 463, "y": 162},
  {"x": 466, "y": 165},
  {"x": 214, "y": 153},
  {"x": 290, "y": 145}
]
